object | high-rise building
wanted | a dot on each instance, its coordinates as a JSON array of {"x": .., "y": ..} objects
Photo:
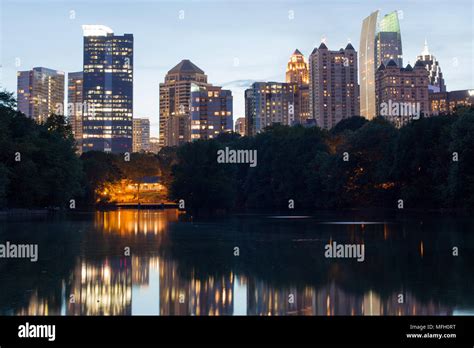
[
  {"x": 107, "y": 90},
  {"x": 435, "y": 76},
  {"x": 141, "y": 134},
  {"x": 297, "y": 69},
  {"x": 333, "y": 85},
  {"x": 367, "y": 66},
  {"x": 268, "y": 103},
  {"x": 388, "y": 40},
  {"x": 380, "y": 42},
  {"x": 444, "y": 103},
  {"x": 40, "y": 93},
  {"x": 297, "y": 72},
  {"x": 211, "y": 111},
  {"x": 75, "y": 105},
  {"x": 175, "y": 94},
  {"x": 240, "y": 126},
  {"x": 402, "y": 93}
]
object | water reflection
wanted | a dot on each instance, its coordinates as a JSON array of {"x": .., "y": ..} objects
[{"x": 182, "y": 268}]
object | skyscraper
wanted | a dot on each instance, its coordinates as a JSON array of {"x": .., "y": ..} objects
[
  {"x": 108, "y": 90},
  {"x": 297, "y": 72},
  {"x": 435, "y": 76},
  {"x": 75, "y": 105},
  {"x": 40, "y": 93},
  {"x": 380, "y": 42},
  {"x": 211, "y": 111},
  {"x": 268, "y": 103},
  {"x": 367, "y": 66},
  {"x": 141, "y": 134},
  {"x": 333, "y": 85},
  {"x": 175, "y": 94},
  {"x": 388, "y": 40},
  {"x": 297, "y": 69}
]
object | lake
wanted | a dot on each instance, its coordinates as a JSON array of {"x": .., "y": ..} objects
[{"x": 159, "y": 262}]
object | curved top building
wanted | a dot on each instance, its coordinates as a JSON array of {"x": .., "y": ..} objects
[
  {"x": 380, "y": 42},
  {"x": 367, "y": 66}
]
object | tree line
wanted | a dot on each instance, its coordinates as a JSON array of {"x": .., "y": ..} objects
[
  {"x": 425, "y": 165},
  {"x": 39, "y": 166}
]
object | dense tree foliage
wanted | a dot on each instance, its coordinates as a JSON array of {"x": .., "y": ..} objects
[
  {"x": 38, "y": 166},
  {"x": 428, "y": 164}
]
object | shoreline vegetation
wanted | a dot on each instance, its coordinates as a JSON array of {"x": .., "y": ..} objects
[{"x": 426, "y": 166}]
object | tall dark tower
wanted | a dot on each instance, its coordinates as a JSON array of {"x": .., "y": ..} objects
[{"x": 108, "y": 90}]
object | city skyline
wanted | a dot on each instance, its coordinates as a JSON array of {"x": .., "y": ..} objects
[{"x": 239, "y": 55}]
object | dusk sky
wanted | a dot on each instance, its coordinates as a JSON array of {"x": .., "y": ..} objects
[{"x": 234, "y": 42}]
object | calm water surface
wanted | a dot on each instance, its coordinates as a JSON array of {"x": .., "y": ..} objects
[{"x": 178, "y": 267}]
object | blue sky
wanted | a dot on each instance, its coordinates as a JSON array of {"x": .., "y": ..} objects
[{"x": 234, "y": 42}]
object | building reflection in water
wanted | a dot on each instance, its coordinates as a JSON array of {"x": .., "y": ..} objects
[
  {"x": 179, "y": 296},
  {"x": 101, "y": 288},
  {"x": 332, "y": 300},
  {"x": 129, "y": 222},
  {"x": 104, "y": 284}
]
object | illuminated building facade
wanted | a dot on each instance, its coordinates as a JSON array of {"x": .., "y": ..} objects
[
  {"x": 380, "y": 42},
  {"x": 367, "y": 66},
  {"x": 388, "y": 40},
  {"x": 75, "y": 104},
  {"x": 268, "y": 103},
  {"x": 175, "y": 96},
  {"x": 141, "y": 134},
  {"x": 334, "y": 92},
  {"x": 297, "y": 71},
  {"x": 444, "y": 103},
  {"x": 40, "y": 93},
  {"x": 402, "y": 87},
  {"x": 240, "y": 126},
  {"x": 211, "y": 111},
  {"x": 435, "y": 76},
  {"x": 107, "y": 90}
]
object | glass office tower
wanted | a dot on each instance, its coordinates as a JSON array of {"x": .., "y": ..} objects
[
  {"x": 367, "y": 66},
  {"x": 108, "y": 90},
  {"x": 388, "y": 41},
  {"x": 380, "y": 42}
]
